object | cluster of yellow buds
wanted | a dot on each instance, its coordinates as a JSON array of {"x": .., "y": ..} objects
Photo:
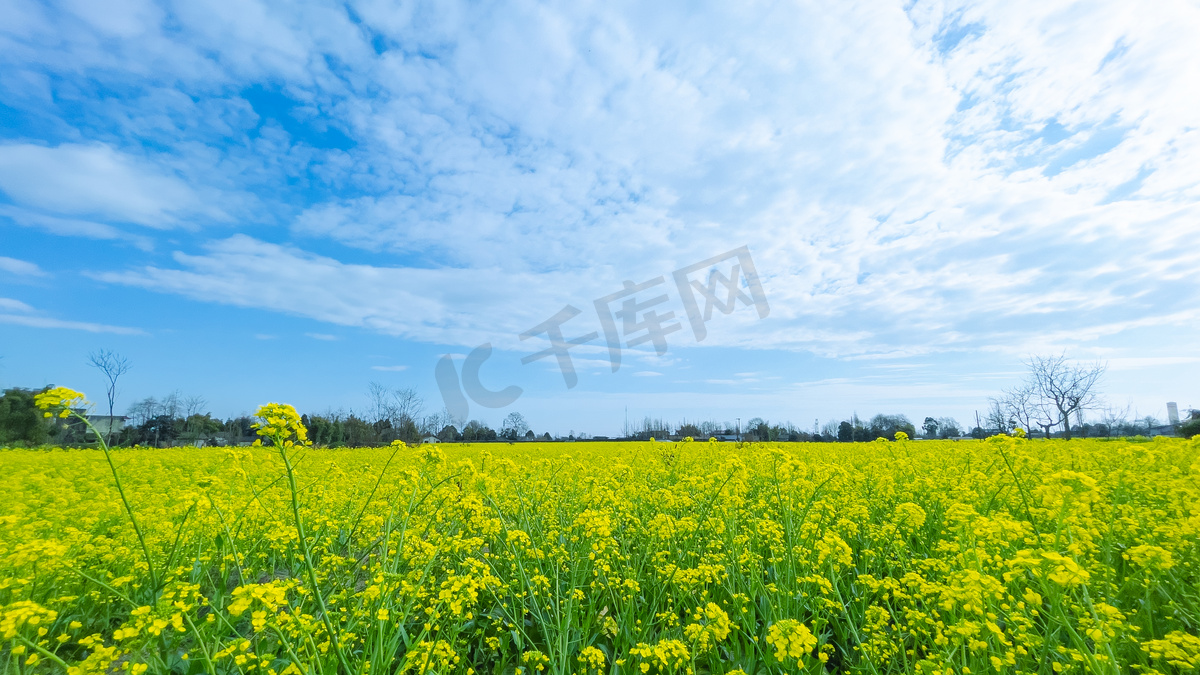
[
  {"x": 59, "y": 401},
  {"x": 281, "y": 423}
]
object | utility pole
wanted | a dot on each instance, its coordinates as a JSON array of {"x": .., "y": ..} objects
[{"x": 739, "y": 430}]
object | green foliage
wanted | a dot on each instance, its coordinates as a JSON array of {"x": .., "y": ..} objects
[
  {"x": 1190, "y": 428},
  {"x": 21, "y": 423}
]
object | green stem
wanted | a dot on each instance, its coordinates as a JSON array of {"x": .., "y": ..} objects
[
  {"x": 124, "y": 500},
  {"x": 44, "y": 652},
  {"x": 308, "y": 564},
  {"x": 1021, "y": 490},
  {"x": 212, "y": 670}
]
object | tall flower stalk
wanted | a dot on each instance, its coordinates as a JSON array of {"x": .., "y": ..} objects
[
  {"x": 281, "y": 425},
  {"x": 66, "y": 403}
]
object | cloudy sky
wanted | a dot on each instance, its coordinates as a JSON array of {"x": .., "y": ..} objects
[{"x": 286, "y": 202}]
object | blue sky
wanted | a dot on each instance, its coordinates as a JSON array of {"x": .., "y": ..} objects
[{"x": 286, "y": 202}]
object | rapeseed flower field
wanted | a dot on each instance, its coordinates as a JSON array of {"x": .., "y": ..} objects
[{"x": 999, "y": 556}]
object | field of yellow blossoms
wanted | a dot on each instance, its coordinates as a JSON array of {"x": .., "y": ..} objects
[{"x": 998, "y": 556}]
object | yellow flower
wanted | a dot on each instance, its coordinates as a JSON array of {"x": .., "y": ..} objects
[
  {"x": 591, "y": 659},
  {"x": 1150, "y": 557},
  {"x": 281, "y": 423},
  {"x": 60, "y": 400},
  {"x": 1177, "y": 649},
  {"x": 909, "y": 517},
  {"x": 791, "y": 640}
]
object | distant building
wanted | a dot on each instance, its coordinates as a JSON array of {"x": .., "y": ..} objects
[
  {"x": 1172, "y": 413},
  {"x": 107, "y": 425}
]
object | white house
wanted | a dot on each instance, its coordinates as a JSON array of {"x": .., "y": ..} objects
[{"x": 107, "y": 425}]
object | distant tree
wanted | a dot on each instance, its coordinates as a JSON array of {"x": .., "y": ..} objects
[
  {"x": 434, "y": 422},
  {"x": 194, "y": 422},
  {"x": 996, "y": 419},
  {"x": 529, "y": 435},
  {"x": 1043, "y": 417},
  {"x": 1065, "y": 386},
  {"x": 830, "y": 431},
  {"x": 1018, "y": 406},
  {"x": 514, "y": 427},
  {"x": 326, "y": 430},
  {"x": 239, "y": 426},
  {"x": 141, "y": 412},
  {"x": 160, "y": 429},
  {"x": 112, "y": 365},
  {"x": 395, "y": 412},
  {"x": 201, "y": 426},
  {"x": 472, "y": 430},
  {"x": 757, "y": 429},
  {"x": 478, "y": 431},
  {"x": 359, "y": 433},
  {"x": 931, "y": 427},
  {"x": 687, "y": 429},
  {"x": 1191, "y": 426},
  {"x": 171, "y": 404},
  {"x": 1115, "y": 420},
  {"x": 948, "y": 427},
  {"x": 886, "y": 426},
  {"x": 449, "y": 434},
  {"x": 845, "y": 432},
  {"x": 20, "y": 420}
]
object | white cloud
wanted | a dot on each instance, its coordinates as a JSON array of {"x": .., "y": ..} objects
[
  {"x": 435, "y": 305},
  {"x": 30, "y": 317},
  {"x": 10, "y": 305},
  {"x": 48, "y": 322},
  {"x": 389, "y": 369},
  {"x": 324, "y": 337},
  {"x": 21, "y": 267},
  {"x": 1137, "y": 364},
  {"x": 903, "y": 193},
  {"x": 72, "y": 227},
  {"x": 95, "y": 180}
]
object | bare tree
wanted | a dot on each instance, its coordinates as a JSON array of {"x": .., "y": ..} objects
[
  {"x": 433, "y": 423},
  {"x": 514, "y": 426},
  {"x": 192, "y": 405},
  {"x": 1019, "y": 406},
  {"x": 400, "y": 408},
  {"x": 997, "y": 419},
  {"x": 1066, "y": 387},
  {"x": 1043, "y": 414},
  {"x": 170, "y": 404},
  {"x": 113, "y": 366},
  {"x": 1115, "y": 419},
  {"x": 143, "y": 411},
  {"x": 380, "y": 406}
]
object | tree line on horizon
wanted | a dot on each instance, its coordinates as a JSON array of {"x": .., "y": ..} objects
[{"x": 1051, "y": 400}]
